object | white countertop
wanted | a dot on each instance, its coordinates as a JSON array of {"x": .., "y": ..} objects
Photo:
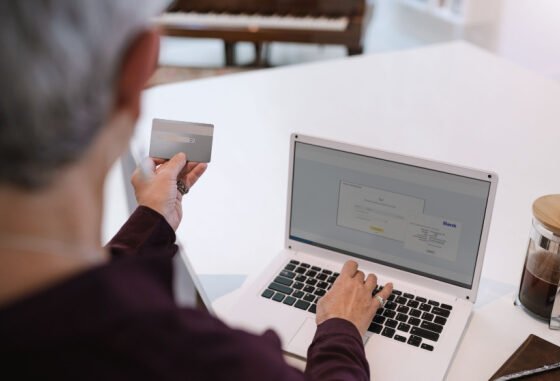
[{"x": 450, "y": 102}]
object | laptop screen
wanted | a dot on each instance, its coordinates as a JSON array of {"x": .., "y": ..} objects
[{"x": 407, "y": 217}]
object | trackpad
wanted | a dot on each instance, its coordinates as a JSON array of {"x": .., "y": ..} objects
[{"x": 303, "y": 338}]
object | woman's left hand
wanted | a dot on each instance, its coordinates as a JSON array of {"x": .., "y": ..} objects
[{"x": 155, "y": 185}]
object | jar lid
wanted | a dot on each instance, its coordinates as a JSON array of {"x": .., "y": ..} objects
[{"x": 546, "y": 210}]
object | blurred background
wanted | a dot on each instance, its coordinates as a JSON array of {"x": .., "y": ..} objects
[{"x": 262, "y": 33}]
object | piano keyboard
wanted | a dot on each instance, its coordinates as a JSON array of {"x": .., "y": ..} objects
[{"x": 251, "y": 22}]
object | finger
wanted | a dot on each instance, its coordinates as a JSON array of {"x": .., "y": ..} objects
[
  {"x": 194, "y": 174},
  {"x": 371, "y": 282},
  {"x": 349, "y": 269},
  {"x": 175, "y": 165},
  {"x": 360, "y": 276},
  {"x": 387, "y": 290},
  {"x": 158, "y": 161}
]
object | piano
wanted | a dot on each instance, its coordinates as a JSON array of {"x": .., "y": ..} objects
[{"x": 338, "y": 22}]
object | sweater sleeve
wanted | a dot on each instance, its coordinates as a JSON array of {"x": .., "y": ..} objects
[
  {"x": 145, "y": 230},
  {"x": 337, "y": 353}
]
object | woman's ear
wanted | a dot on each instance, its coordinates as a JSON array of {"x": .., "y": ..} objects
[{"x": 138, "y": 65}]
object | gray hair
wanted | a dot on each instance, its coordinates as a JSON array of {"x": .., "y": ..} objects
[{"x": 58, "y": 68}]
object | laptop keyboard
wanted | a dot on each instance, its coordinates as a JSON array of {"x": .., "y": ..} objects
[{"x": 407, "y": 318}]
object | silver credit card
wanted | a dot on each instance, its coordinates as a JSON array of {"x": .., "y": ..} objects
[{"x": 170, "y": 137}]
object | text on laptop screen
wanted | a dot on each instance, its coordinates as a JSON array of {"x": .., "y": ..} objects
[{"x": 416, "y": 219}]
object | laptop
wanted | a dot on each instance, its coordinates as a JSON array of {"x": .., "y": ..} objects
[{"x": 420, "y": 224}]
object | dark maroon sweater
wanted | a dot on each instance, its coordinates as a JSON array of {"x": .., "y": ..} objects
[{"x": 119, "y": 321}]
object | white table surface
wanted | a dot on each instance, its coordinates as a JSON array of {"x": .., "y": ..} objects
[{"x": 450, "y": 102}]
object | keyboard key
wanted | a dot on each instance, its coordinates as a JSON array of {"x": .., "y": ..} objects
[
  {"x": 402, "y": 317},
  {"x": 421, "y": 299},
  {"x": 315, "y": 268},
  {"x": 380, "y": 311},
  {"x": 284, "y": 281},
  {"x": 415, "y": 313},
  {"x": 323, "y": 285},
  {"x": 309, "y": 298},
  {"x": 375, "y": 328},
  {"x": 413, "y": 304},
  {"x": 390, "y": 306},
  {"x": 301, "y": 278},
  {"x": 287, "y": 274},
  {"x": 290, "y": 300},
  {"x": 280, "y": 288},
  {"x": 424, "y": 333},
  {"x": 427, "y": 347},
  {"x": 293, "y": 261},
  {"x": 409, "y": 296},
  {"x": 427, "y": 316},
  {"x": 290, "y": 267},
  {"x": 278, "y": 297},
  {"x": 414, "y": 340},
  {"x": 311, "y": 281},
  {"x": 336, "y": 275},
  {"x": 309, "y": 289},
  {"x": 267, "y": 293},
  {"x": 425, "y": 307},
  {"x": 400, "y": 338},
  {"x": 389, "y": 313},
  {"x": 440, "y": 320},
  {"x": 397, "y": 292},
  {"x": 306, "y": 265},
  {"x": 391, "y": 298},
  {"x": 328, "y": 272},
  {"x": 440, "y": 312},
  {"x": 433, "y": 303},
  {"x": 391, "y": 323},
  {"x": 446, "y": 307},
  {"x": 388, "y": 332},
  {"x": 311, "y": 273},
  {"x": 379, "y": 319},
  {"x": 403, "y": 327},
  {"x": 403, "y": 309},
  {"x": 302, "y": 304},
  {"x": 331, "y": 279},
  {"x": 319, "y": 292},
  {"x": 298, "y": 294},
  {"x": 298, "y": 285},
  {"x": 313, "y": 309},
  {"x": 322, "y": 276},
  {"x": 431, "y": 326},
  {"x": 300, "y": 270},
  {"x": 414, "y": 321},
  {"x": 401, "y": 300}
]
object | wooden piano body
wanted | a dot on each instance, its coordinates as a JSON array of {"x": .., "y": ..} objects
[{"x": 338, "y": 22}]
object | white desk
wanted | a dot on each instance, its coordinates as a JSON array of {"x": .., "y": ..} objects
[{"x": 450, "y": 102}]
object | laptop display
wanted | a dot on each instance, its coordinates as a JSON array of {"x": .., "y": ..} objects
[{"x": 415, "y": 219}]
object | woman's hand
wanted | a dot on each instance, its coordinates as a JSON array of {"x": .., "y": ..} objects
[
  {"x": 350, "y": 298},
  {"x": 155, "y": 185}
]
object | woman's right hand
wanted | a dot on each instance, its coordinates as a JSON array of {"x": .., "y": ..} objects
[{"x": 350, "y": 298}]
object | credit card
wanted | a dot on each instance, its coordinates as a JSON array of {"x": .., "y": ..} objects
[{"x": 170, "y": 137}]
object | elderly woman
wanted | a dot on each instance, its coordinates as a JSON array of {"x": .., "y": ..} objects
[{"x": 71, "y": 76}]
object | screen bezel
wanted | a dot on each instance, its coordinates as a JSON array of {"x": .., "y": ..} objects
[{"x": 463, "y": 291}]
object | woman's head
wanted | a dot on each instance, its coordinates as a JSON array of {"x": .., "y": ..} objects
[{"x": 62, "y": 78}]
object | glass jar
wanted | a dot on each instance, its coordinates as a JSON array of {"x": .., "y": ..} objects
[{"x": 541, "y": 273}]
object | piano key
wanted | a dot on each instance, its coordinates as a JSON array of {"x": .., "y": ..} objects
[{"x": 252, "y": 22}]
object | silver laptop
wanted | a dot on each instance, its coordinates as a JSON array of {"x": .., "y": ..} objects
[{"x": 421, "y": 224}]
